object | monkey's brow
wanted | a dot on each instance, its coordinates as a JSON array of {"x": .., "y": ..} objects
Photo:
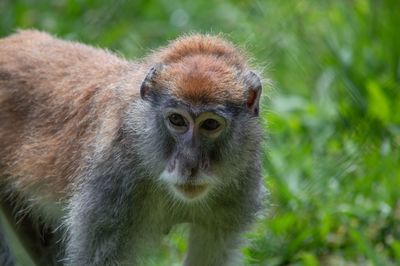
[{"x": 226, "y": 109}]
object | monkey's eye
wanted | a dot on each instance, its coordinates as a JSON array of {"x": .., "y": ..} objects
[
  {"x": 177, "y": 120},
  {"x": 210, "y": 124}
]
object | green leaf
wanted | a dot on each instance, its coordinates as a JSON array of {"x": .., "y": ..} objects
[{"x": 378, "y": 104}]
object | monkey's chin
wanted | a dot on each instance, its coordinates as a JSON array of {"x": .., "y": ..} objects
[{"x": 191, "y": 192}]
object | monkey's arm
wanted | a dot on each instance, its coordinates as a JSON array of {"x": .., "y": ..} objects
[
  {"x": 98, "y": 226},
  {"x": 101, "y": 219}
]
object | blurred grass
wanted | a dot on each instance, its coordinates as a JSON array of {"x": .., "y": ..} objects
[{"x": 333, "y": 113}]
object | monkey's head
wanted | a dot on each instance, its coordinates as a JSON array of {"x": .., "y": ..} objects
[{"x": 204, "y": 104}]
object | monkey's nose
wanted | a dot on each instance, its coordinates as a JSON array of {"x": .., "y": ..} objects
[
  {"x": 190, "y": 170},
  {"x": 194, "y": 171}
]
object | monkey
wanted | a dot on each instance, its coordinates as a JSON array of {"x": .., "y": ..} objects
[{"x": 107, "y": 154}]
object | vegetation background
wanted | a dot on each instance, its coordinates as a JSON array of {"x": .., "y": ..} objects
[{"x": 332, "y": 113}]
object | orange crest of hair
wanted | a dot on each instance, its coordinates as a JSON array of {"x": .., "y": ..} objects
[{"x": 203, "y": 69}]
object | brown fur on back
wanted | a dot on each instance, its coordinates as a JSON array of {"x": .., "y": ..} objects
[{"x": 53, "y": 94}]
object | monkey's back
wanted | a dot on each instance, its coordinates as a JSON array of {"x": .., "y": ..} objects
[{"x": 52, "y": 94}]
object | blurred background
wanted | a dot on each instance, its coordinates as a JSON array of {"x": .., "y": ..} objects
[{"x": 332, "y": 113}]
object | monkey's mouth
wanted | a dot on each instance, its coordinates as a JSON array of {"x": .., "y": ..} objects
[{"x": 191, "y": 191}]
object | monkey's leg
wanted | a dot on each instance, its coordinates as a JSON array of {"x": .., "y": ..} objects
[
  {"x": 212, "y": 247},
  {"x": 6, "y": 256},
  {"x": 32, "y": 241},
  {"x": 21, "y": 237}
]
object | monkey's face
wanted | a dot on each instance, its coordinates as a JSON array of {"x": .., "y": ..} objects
[
  {"x": 194, "y": 137},
  {"x": 206, "y": 118}
]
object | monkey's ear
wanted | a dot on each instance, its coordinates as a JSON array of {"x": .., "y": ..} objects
[
  {"x": 150, "y": 80},
  {"x": 254, "y": 88}
]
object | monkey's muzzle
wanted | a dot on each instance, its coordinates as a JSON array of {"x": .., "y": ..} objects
[{"x": 191, "y": 191}]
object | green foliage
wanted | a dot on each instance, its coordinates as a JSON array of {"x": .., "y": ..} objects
[{"x": 332, "y": 115}]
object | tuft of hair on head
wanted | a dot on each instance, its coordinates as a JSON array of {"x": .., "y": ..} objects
[{"x": 202, "y": 44}]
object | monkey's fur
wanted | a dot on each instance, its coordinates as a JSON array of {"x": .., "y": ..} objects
[{"x": 83, "y": 147}]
